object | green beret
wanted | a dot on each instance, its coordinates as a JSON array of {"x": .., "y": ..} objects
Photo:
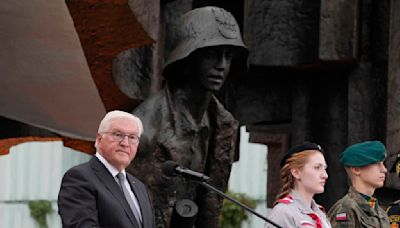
[{"x": 362, "y": 154}]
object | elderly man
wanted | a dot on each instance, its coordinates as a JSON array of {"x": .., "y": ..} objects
[
  {"x": 185, "y": 122},
  {"x": 100, "y": 193},
  {"x": 359, "y": 208}
]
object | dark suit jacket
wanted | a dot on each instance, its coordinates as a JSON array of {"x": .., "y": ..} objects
[{"x": 90, "y": 197}]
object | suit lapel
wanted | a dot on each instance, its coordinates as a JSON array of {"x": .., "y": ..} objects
[{"x": 109, "y": 182}]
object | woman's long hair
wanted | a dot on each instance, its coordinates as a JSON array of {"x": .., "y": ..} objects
[{"x": 296, "y": 161}]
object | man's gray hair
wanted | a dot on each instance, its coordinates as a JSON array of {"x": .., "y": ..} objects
[{"x": 105, "y": 122}]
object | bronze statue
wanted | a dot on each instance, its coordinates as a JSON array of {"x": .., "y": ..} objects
[{"x": 185, "y": 122}]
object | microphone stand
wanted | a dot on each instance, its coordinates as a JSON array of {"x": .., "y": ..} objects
[{"x": 208, "y": 186}]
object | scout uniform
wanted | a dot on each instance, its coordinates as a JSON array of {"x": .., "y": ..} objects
[
  {"x": 293, "y": 212},
  {"x": 355, "y": 209}
]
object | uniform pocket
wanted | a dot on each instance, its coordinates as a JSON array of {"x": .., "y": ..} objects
[{"x": 369, "y": 222}]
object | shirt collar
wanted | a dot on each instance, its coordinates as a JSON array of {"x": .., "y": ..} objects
[
  {"x": 182, "y": 116},
  {"x": 304, "y": 207},
  {"x": 372, "y": 201},
  {"x": 114, "y": 171}
]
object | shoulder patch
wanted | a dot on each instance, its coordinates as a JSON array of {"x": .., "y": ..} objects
[
  {"x": 341, "y": 217},
  {"x": 286, "y": 200}
]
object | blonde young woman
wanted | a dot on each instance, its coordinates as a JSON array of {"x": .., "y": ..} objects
[{"x": 303, "y": 174}]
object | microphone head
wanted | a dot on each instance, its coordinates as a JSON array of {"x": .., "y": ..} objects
[{"x": 168, "y": 168}]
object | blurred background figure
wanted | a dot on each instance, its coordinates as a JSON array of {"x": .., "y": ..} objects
[{"x": 393, "y": 210}]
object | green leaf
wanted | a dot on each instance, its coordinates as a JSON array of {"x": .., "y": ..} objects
[
  {"x": 39, "y": 209},
  {"x": 233, "y": 215}
]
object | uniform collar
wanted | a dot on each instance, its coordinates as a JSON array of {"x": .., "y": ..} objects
[
  {"x": 314, "y": 210},
  {"x": 360, "y": 200},
  {"x": 304, "y": 206},
  {"x": 182, "y": 117},
  {"x": 372, "y": 201}
]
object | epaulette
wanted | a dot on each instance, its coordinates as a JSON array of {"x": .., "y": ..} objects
[
  {"x": 322, "y": 208},
  {"x": 286, "y": 200},
  {"x": 397, "y": 202}
]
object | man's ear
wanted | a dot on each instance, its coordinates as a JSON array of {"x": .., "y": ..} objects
[
  {"x": 99, "y": 137},
  {"x": 355, "y": 170}
]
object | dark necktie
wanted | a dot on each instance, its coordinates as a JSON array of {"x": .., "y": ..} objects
[
  {"x": 317, "y": 220},
  {"x": 121, "y": 179}
]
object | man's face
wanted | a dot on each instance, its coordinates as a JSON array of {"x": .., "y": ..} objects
[
  {"x": 373, "y": 175},
  {"x": 119, "y": 153},
  {"x": 212, "y": 65}
]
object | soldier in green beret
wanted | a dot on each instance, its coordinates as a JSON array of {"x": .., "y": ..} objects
[{"x": 364, "y": 166}]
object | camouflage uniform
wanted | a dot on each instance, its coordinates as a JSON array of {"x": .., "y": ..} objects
[
  {"x": 354, "y": 211},
  {"x": 293, "y": 212}
]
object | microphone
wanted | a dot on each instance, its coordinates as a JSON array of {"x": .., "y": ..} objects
[{"x": 171, "y": 169}]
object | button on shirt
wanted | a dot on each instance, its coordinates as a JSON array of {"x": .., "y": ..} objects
[{"x": 113, "y": 171}]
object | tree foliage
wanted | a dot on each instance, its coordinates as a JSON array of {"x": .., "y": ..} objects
[
  {"x": 233, "y": 215},
  {"x": 39, "y": 210}
]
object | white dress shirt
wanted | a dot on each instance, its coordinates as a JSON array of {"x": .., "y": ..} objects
[{"x": 114, "y": 173}]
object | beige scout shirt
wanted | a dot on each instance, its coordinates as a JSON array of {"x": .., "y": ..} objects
[{"x": 293, "y": 212}]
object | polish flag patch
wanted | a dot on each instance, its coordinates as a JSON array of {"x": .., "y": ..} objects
[
  {"x": 341, "y": 217},
  {"x": 305, "y": 223}
]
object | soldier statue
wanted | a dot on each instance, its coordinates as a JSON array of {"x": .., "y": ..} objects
[{"x": 185, "y": 122}]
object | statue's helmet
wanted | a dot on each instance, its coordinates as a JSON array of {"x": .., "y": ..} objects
[{"x": 204, "y": 27}]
